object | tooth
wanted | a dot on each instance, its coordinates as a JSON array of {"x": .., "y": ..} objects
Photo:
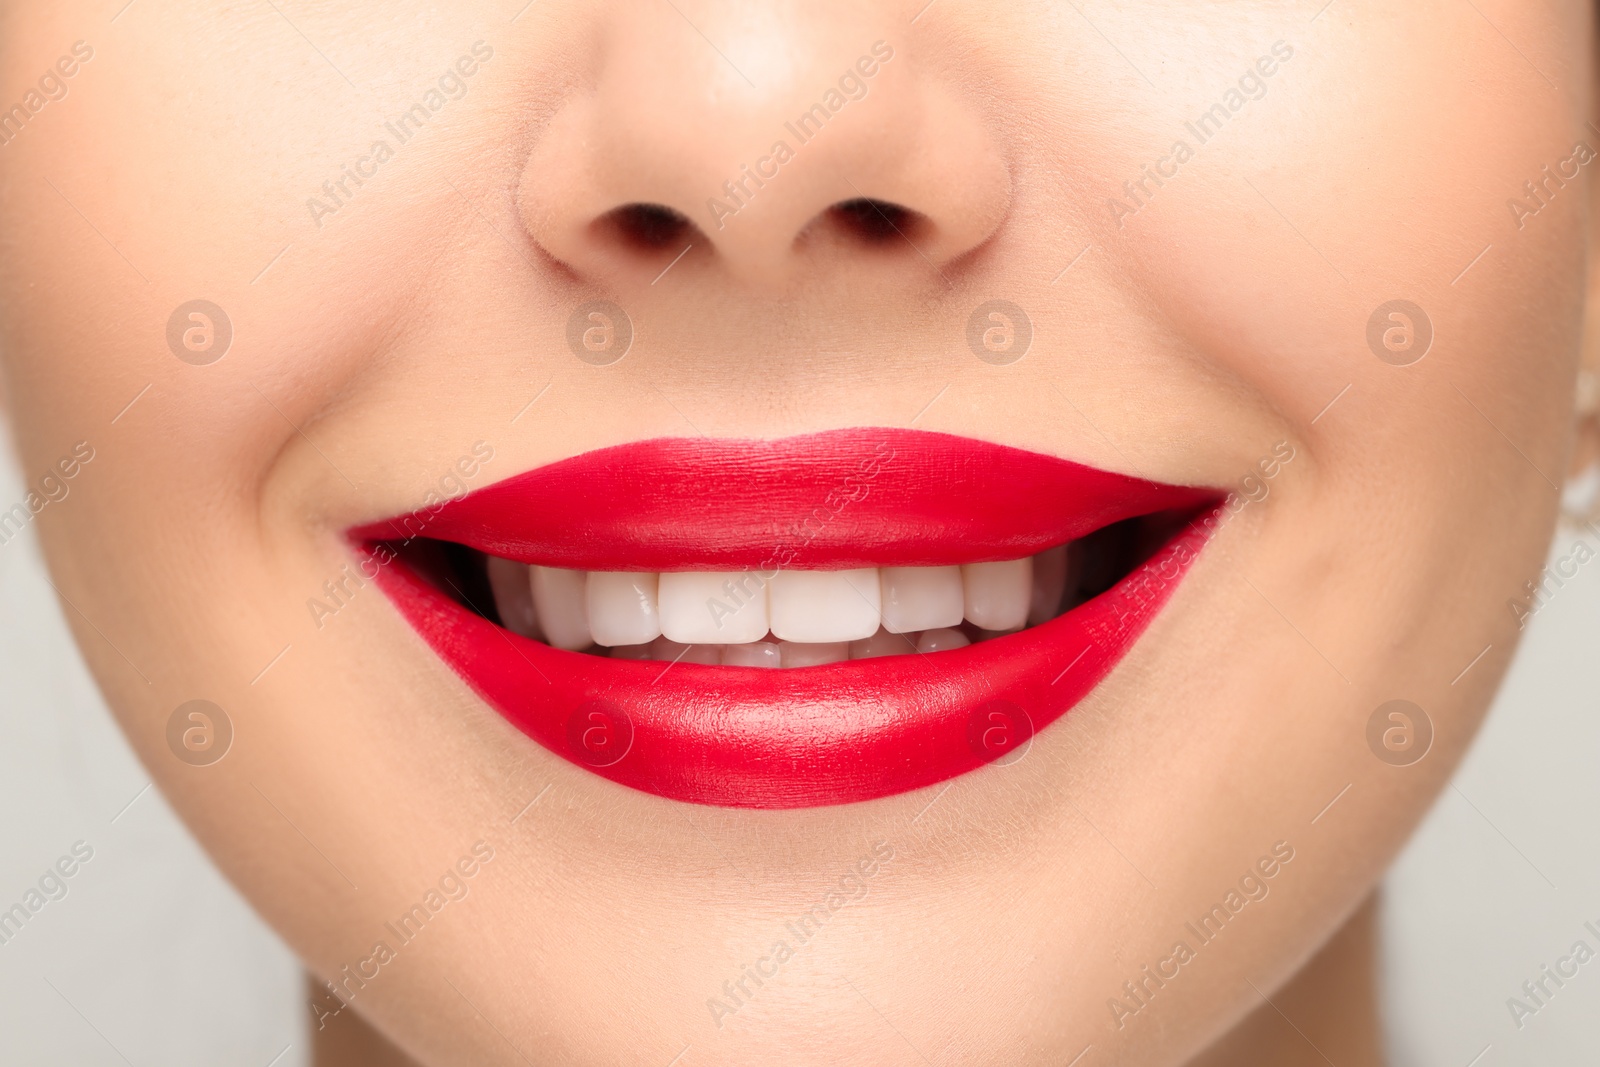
[
  {"x": 813, "y": 654},
  {"x": 921, "y": 598},
  {"x": 513, "y": 596},
  {"x": 942, "y": 640},
  {"x": 760, "y": 654},
  {"x": 883, "y": 643},
  {"x": 563, "y": 614},
  {"x": 1049, "y": 582},
  {"x": 997, "y": 594},
  {"x": 622, "y": 608},
  {"x": 713, "y": 607},
  {"x": 671, "y": 651},
  {"x": 818, "y": 607}
]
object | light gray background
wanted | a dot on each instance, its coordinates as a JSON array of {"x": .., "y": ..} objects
[{"x": 153, "y": 960}]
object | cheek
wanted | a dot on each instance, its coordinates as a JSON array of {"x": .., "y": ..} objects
[{"x": 1256, "y": 249}]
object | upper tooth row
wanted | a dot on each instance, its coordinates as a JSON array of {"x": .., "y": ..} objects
[{"x": 576, "y": 609}]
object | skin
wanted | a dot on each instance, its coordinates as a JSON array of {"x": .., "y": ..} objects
[
  {"x": 375, "y": 345},
  {"x": 1327, "y": 1010}
]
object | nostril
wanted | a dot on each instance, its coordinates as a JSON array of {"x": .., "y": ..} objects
[
  {"x": 647, "y": 227},
  {"x": 874, "y": 221}
]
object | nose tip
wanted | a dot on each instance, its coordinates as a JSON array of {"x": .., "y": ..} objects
[{"x": 807, "y": 144}]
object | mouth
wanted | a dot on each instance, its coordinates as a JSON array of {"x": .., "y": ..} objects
[{"x": 792, "y": 623}]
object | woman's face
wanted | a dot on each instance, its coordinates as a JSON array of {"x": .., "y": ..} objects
[{"x": 1200, "y": 218}]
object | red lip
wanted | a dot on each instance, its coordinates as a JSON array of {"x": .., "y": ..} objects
[{"x": 810, "y": 736}]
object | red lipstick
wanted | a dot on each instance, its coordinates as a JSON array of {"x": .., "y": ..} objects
[{"x": 808, "y": 736}]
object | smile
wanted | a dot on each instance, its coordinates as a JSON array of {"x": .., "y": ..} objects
[{"x": 793, "y": 623}]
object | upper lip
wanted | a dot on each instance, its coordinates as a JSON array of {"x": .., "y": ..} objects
[
  {"x": 826, "y": 501},
  {"x": 849, "y": 731}
]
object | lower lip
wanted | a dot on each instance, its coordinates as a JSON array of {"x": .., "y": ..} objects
[{"x": 794, "y": 738}]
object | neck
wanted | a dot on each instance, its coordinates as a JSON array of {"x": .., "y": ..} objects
[
  {"x": 1328, "y": 1013},
  {"x": 346, "y": 1040}
]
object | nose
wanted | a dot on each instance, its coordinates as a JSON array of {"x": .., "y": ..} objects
[{"x": 769, "y": 140}]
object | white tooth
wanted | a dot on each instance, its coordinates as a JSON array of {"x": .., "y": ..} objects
[
  {"x": 563, "y": 612},
  {"x": 813, "y": 654},
  {"x": 713, "y": 607},
  {"x": 825, "y": 606},
  {"x": 760, "y": 654},
  {"x": 883, "y": 643},
  {"x": 513, "y": 596},
  {"x": 1049, "y": 582},
  {"x": 942, "y": 640},
  {"x": 997, "y": 594},
  {"x": 670, "y": 651},
  {"x": 622, "y": 608},
  {"x": 921, "y": 598}
]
